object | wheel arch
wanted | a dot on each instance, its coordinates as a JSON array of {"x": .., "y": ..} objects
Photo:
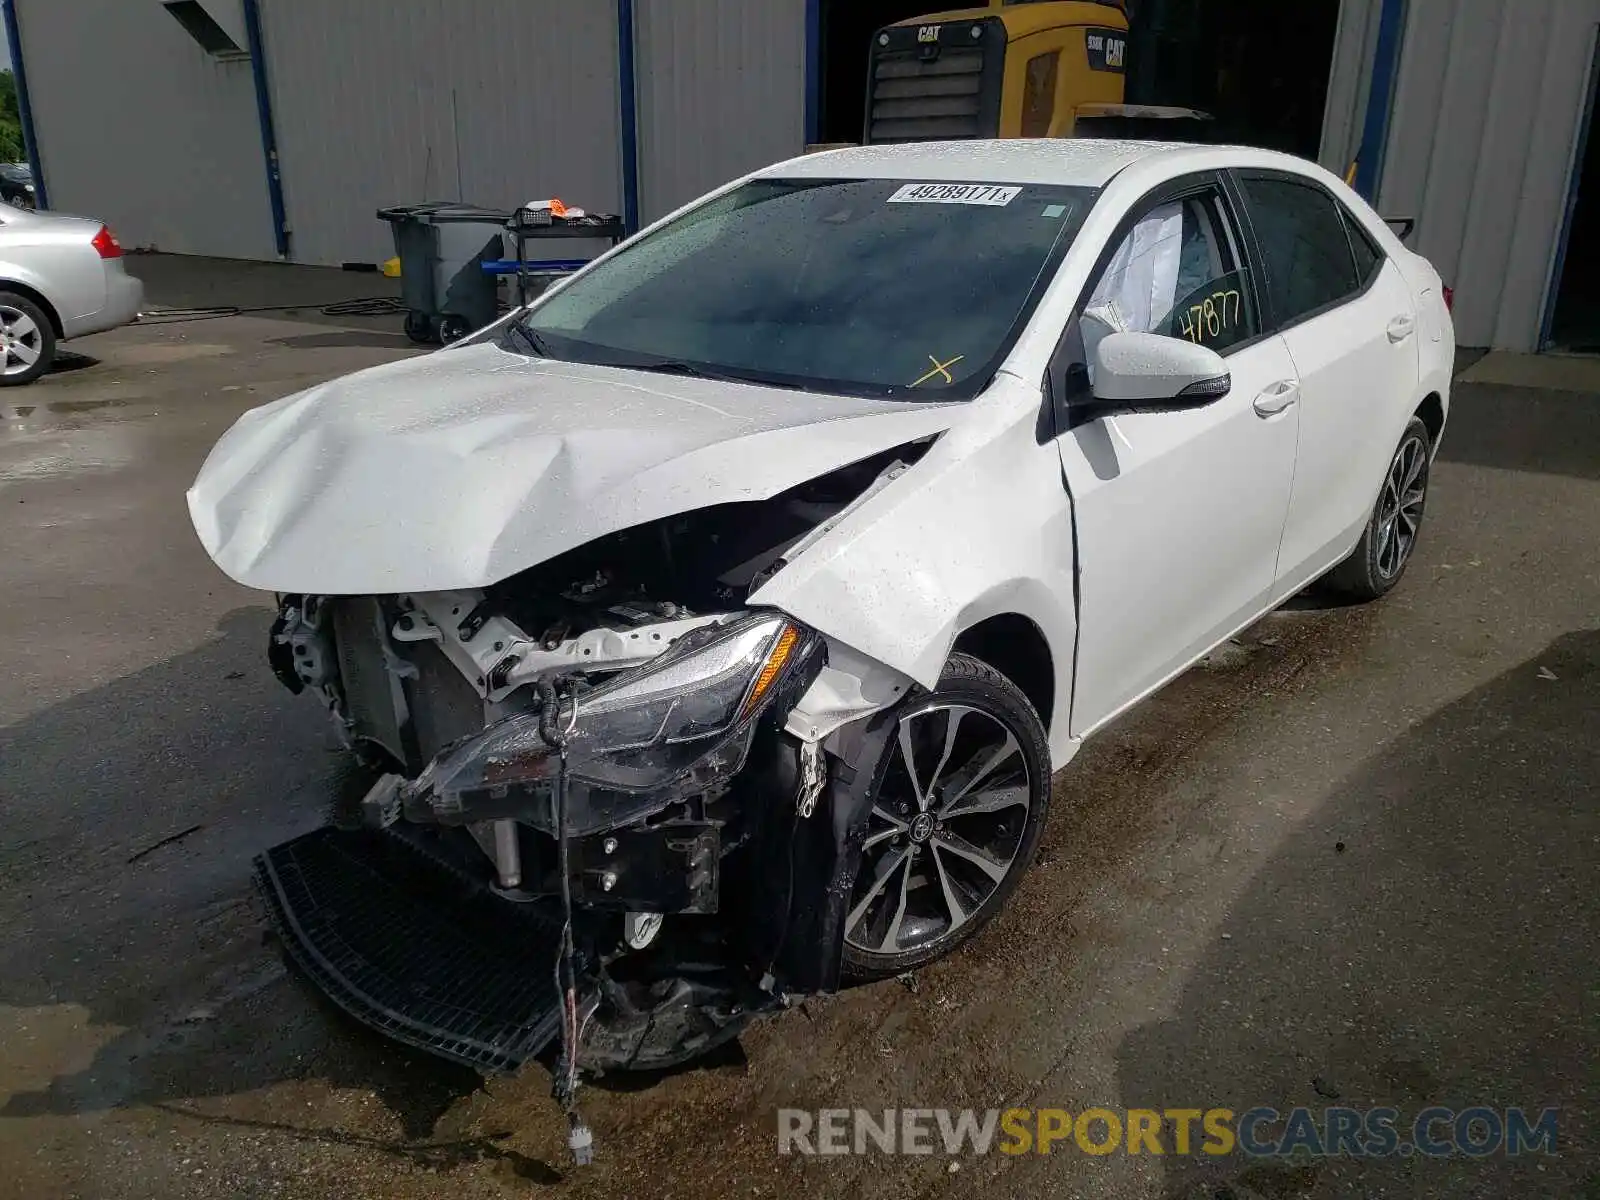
[
  {"x": 8, "y": 284},
  {"x": 1015, "y": 646},
  {"x": 1431, "y": 413}
]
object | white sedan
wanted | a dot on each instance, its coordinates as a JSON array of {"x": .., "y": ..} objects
[{"x": 735, "y": 602}]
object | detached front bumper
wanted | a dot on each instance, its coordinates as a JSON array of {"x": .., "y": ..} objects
[
  {"x": 405, "y": 942},
  {"x": 408, "y": 942}
]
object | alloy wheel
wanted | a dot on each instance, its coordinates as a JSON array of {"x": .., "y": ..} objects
[
  {"x": 1405, "y": 492},
  {"x": 945, "y": 830},
  {"x": 20, "y": 339}
]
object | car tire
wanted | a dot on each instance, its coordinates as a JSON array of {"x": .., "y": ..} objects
[
  {"x": 27, "y": 339},
  {"x": 956, "y": 858},
  {"x": 1387, "y": 543}
]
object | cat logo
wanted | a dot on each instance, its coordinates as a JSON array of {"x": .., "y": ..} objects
[{"x": 927, "y": 34}]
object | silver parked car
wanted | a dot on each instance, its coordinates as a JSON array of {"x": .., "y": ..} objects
[{"x": 60, "y": 277}]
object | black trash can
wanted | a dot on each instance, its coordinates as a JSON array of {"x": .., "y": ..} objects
[{"x": 442, "y": 246}]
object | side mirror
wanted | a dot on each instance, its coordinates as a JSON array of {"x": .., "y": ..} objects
[{"x": 1148, "y": 372}]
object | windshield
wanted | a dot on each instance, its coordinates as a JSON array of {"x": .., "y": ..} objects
[{"x": 867, "y": 287}]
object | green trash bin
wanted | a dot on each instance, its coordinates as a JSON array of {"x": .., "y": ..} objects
[{"x": 442, "y": 247}]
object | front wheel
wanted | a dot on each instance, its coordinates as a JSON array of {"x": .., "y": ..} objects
[
  {"x": 1380, "y": 557},
  {"x": 960, "y": 804}
]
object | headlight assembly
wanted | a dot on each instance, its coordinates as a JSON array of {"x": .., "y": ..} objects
[
  {"x": 674, "y": 726},
  {"x": 687, "y": 696}
]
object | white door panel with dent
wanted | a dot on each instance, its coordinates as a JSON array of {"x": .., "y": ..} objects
[{"x": 1178, "y": 517}]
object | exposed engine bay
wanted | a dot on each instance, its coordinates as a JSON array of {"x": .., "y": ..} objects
[{"x": 603, "y": 748}]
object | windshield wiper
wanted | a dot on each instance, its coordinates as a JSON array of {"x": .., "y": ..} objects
[
  {"x": 533, "y": 341},
  {"x": 674, "y": 366}
]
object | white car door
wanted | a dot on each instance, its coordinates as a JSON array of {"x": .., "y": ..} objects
[
  {"x": 1350, "y": 322},
  {"x": 1177, "y": 515}
]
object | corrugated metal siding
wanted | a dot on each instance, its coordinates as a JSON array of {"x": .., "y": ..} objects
[
  {"x": 1349, "y": 83},
  {"x": 382, "y": 102},
  {"x": 721, "y": 92},
  {"x": 1487, "y": 110},
  {"x": 139, "y": 126}
]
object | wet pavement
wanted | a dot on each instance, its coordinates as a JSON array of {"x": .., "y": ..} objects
[{"x": 1351, "y": 859}]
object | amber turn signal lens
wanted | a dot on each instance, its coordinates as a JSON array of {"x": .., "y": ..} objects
[{"x": 776, "y": 658}]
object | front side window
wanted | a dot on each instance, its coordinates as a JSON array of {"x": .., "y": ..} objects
[
  {"x": 1307, "y": 254},
  {"x": 1178, "y": 273},
  {"x": 873, "y": 287}
]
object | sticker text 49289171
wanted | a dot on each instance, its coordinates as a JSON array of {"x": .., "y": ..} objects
[{"x": 955, "y": 193}]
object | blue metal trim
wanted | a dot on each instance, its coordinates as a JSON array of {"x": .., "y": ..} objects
[
  {"x": 19, "y": 73},
  {"x": 269, "y": 139},
  {"x": 1380, "y": 98},
  {"x": 1580, "y": 153},
  {"x": 627, "y": 87},
  {"x": 813, "y": 71}
]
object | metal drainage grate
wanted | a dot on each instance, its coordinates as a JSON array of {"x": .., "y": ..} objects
[{"x": 415, "y": 953}]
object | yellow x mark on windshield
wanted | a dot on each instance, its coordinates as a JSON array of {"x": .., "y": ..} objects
[{"x": 940, "y": 368}]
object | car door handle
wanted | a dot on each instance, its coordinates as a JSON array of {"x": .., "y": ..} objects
[
  {"x": 1402, "y": 327},
  {"x": 1276, "y": 398}
]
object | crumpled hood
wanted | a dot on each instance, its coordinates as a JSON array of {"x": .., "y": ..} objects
[{"x": 460, "y": 468}]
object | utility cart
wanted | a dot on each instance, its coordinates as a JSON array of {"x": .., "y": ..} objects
[{"x": 536, "y": 224}]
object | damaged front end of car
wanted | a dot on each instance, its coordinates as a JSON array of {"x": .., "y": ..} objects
[{"x": 613, "y": 762}]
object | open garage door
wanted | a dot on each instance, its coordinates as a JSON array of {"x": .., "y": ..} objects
[
  {"x": 847, "y": 27},
  {"x": 1260, "y": 67}
]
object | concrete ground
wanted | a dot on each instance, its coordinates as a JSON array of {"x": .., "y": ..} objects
[{"x": 1351, "y": 859}]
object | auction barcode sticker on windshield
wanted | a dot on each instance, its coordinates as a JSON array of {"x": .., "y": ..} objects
[{"x": 954, "y": 193}]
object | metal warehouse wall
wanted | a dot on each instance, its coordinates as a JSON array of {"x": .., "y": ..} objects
[
  {"x": 1487, "y": 110},
  {"x": 1349, "y": 83},
  {"x": 381, "y": 102},
  {"x": 139, "y": 126},
  {"x": 721, "y": 92}
]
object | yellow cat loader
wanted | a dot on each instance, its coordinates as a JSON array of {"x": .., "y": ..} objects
[{"x": 1052, "y": 68}]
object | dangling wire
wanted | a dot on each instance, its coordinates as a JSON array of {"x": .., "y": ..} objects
[{"x": 579, "y": 1139}]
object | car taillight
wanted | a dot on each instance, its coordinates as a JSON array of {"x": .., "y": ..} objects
[
  {"x": 105, "y": 243},
  {"x": 1449, "y": 299}
]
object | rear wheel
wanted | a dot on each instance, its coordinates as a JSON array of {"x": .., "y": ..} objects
[
  {"x": 1385, "y": 547},
  {"x": 956, "y": 818},
  {"x": 27, "y": 340}
]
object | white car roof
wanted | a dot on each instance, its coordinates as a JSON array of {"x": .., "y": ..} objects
[
  {"x": 1082, "y": 162},
  {"x": 1086, "y": 162}
]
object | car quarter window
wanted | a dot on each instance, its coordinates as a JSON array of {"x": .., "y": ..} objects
[
  {"x": 1369, "y": 259},
  {"x": 1177, "y": 272},
  {"x": 1306, "y": 251}
]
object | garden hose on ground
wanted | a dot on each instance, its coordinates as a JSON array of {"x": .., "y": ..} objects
[{"x": 368, "y": 306}]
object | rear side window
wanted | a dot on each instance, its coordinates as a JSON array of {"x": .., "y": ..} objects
[
  {"x": 1309, "y": 264},
  {"x": 1368, "y": 257}
]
